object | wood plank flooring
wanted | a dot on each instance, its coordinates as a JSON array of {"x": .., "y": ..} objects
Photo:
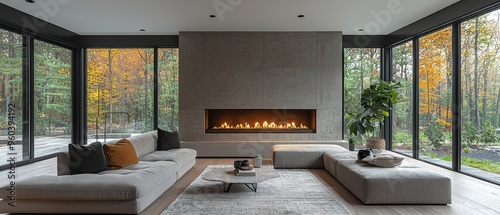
[{"x": 471, "y": 196}]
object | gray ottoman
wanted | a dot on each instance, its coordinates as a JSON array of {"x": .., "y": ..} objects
[
  {"x": 301, "y": 156},
  {"x": 404, "y": 184},
  {"x": 330, "y": 160}
]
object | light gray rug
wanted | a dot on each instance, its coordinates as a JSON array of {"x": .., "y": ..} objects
[{"x": 296, "y": 191}]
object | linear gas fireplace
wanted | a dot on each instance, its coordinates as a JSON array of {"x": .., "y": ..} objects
[{"x": 260, "y": 120}]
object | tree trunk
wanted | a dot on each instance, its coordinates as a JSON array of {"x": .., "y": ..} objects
[
  {"x": 110, "y": 60},
  {"x": 486, "y": 68},
  {"x": 6, "y": 88},
  {"x": 475, "y": 118},
  {"x": 146, "y": 91},
  {"x": 428, "y": 101},
  {"x": 362, "y": 73},
  {"x": 497, "y": 106}
]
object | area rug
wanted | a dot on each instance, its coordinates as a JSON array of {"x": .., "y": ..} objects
[{"x": 296, "y": 191}]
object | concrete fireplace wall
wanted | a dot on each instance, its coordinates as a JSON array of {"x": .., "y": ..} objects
[{"x": 260, "y": 70}]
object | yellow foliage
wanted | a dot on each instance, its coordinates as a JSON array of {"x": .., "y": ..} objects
[
  {"x": 434, "y": 69},
  {"x": 117, "y": 78}
]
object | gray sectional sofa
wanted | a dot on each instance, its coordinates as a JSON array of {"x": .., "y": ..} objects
[
  {"x": 403, "y": 184},
  {"x": 124, "y": 191}
]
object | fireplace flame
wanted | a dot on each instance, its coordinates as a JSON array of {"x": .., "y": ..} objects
[{"x": 265, "y": 125}]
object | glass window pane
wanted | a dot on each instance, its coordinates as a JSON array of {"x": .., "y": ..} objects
[
  {"x": 402, "y": 114},
  {"x": 168, "y": 88},
  {"x": 361, "y": 69},
  {"x": 119, "y": 93},
  {"x": 52, "y": 98},
  {"x": 11, "y": 103},
  {"x": 435, "y": 85},
  {"x": 480, "y": 44}
]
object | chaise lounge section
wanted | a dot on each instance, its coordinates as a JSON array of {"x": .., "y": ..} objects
[{"x": 403, "y": 184}]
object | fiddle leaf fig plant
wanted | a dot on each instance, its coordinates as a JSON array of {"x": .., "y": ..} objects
[{"x": 375, "y": 106}]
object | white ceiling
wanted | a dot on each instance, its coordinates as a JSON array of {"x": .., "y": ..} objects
[{"x": 167, "y": 17}]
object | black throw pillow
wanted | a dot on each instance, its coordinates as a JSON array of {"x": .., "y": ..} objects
[
  {"x": 87, "y": 158},
  {"x": 167, "y": 140}
]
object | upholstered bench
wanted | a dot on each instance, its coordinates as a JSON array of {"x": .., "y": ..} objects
[
  {"x": 403, "y": 184},
  {"x": 301, "y": 156}
]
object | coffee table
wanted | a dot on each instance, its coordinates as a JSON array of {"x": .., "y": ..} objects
[{"x": 227, "y": 177}]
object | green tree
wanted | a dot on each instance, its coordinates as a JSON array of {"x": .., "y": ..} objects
[
  {"x": 52, "y": 88},
  {"x": 10, "y": 76},
  {"x": 361, "y": 69}
]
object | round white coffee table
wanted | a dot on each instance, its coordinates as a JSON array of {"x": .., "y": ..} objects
[{"x": 227, "y": 177}]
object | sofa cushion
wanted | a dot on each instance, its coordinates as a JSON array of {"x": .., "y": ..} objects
[
  {"x": 129, "y": 183},
  {"x": 154, "y": 133},
  {"x": 331, "y": 158},
  {"x": 87, "y": 158},
  {"x": 168, "y": 140},
  {"x": 180, "y": 156},
  {"x": 120, "y": 154},
  {"x": 143, "y": 143}
]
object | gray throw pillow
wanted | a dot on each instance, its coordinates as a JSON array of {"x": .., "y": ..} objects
[
  {"x": 167, "y": 140},
  {"x": 86, "y": 158},
  {"x": 384, "y": 160}
]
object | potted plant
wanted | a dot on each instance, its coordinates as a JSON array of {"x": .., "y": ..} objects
[
  {"x": 375, "y": 106},
  {"x": 351, "y": 142}
]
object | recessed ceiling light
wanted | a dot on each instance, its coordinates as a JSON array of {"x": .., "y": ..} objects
[
  {"x": 142, "y": 29},
  {"x": 301, "y": 16},
  {"x": 30, "y": 1},
  {"x": 212, "y": 16}
]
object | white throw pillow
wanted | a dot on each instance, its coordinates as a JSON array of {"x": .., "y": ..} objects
[{"x": 384, "y": 160}]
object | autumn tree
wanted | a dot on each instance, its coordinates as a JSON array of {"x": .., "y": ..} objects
[
  {"x": 121, "y": 81},
  {"x": 435, "y": 72}
]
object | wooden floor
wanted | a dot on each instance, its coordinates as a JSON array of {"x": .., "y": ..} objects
[{"x": 470, "y": 196}]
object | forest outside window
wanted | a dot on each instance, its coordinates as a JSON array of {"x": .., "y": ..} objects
[
  {"x": 52, "y": 98},
  {"x": 120, "y": 84},
  {"x": 435, "y": 97},
  {"x": 11, "y": 89},
  {"x": 168, "y": 88},
  {"x": 480, "y": 76},
  {"x": 402, "y": 113},
  {"x": 35, "y": 101},
  {"x": 361, "y": 69}
]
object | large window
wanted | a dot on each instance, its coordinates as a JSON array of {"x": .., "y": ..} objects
[
  {"x": 11, "y": 88},
  {"x": 402, "y": 114},
  {"x": 361, "y": 69},
  {"x": 168, "y": 88},
  {"x": 52, "y": 97},
  {"x": 480, "y": 75},
  {"x": 119, "y": 93},
  {"x": 35, "y": 100},
  {"x": 435, "y": 94}
]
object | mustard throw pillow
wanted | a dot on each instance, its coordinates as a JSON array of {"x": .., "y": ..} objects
[{"x": 120, "y": 154}]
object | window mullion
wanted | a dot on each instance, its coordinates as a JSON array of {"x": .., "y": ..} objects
[
  {"x": 28, "y": 98},
  {"x": 456, "y": 98}
]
